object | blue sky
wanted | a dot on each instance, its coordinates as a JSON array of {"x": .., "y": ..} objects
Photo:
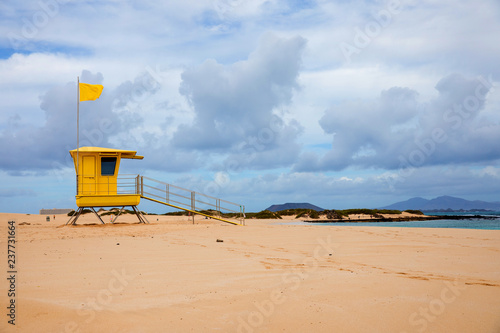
[{"x": 341, "y": 104}]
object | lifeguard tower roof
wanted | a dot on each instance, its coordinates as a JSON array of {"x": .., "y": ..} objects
[{"x": 107, "y": 151}]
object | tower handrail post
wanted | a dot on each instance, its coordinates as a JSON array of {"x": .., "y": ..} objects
[
  {"x": 167, "y": 192},
  {"x": 193, "y": 203},
  {"x": 142, "y": 185},
  {"x": 137, "y": 184}
]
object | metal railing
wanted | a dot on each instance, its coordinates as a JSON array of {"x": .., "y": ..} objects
[
  {"x": 123, "y": 184},
  {"x": 187, "y": 199},
  {"x": 127, "y": 184}
]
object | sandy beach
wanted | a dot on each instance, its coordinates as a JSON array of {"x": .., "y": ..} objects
[{"x": 268, "y": 276}]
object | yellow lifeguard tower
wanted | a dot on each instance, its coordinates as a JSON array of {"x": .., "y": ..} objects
[
  {"x": 97, "y": 180},
  {"x": 99, "y": 185}
]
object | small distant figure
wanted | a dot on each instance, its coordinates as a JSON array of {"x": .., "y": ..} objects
[{"x": 54, "y": 217}]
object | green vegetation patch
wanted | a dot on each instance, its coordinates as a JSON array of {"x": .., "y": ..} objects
[
  {"x": 265, "y": 214},
  {"x": 85, "y": 211},
  {"x": 372, "y": 212},
  {"x": 414, "y": 211}
]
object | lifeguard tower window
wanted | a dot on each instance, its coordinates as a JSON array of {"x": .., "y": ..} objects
[{"x": 108, "y": 165}]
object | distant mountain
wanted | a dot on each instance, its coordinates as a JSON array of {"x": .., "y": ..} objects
[
  {"x": 443, "y": 202},
  {"x": 305, "y": 205}
]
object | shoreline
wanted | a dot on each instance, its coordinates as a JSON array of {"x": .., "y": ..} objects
[{"x": 405, "y": 219}]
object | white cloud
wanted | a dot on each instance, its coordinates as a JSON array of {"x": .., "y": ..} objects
[
  {"x": 489, "y": 171},
  {"x": 397, "y": 130},
  {"x": 234, "y": 104}
]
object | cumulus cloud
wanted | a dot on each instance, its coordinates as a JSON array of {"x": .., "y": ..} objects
[
  {"x": 398, "y": 130},
  {"x": 237, "y": 122},
  {"x": 236, "y": 116},
  {"x": 236, "y": 105},
  {"x": 30, "y": 147}
]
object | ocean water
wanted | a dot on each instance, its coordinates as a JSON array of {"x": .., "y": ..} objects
[{"x": 473, "y": 223}]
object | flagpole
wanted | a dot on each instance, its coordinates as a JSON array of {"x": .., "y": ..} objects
[{"x": 77, "y": 130}]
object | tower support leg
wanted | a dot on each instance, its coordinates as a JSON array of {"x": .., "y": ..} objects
[
  {"x": 140, "y": 216},
  {"x": 72, "y": 220},
  {"x": 75, "y": 216},
  {"x": 119, "y": 213},
  {"x": 92, "y": 208}
]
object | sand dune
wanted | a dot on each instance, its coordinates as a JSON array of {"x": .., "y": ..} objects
[{"x": 173, "y": 276}]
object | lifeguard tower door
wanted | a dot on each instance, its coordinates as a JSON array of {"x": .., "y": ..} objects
[
  {"x": 88, "y": 183},
  {"x": 107, "y": 175}
]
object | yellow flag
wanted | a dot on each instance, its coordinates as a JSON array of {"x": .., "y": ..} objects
[{"x": 90, "y": 92}]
